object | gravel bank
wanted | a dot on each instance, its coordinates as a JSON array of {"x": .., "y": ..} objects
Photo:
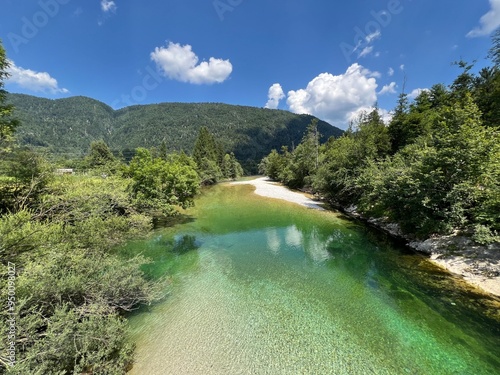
[{"x": 269, "y": 189}]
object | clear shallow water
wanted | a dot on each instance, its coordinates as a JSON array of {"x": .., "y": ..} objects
[{"x": 261, "y": 286}]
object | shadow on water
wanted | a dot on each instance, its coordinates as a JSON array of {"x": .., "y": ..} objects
[
  {"x": 165, "y": 222},
  {"x": 401, "y": 276}
]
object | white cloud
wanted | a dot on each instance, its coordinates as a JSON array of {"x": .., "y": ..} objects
[
  {"x": 108, "y": 6},
  {"x": 402, "y": 67},
  {"x": 388, "y": 89},
  {"x": 366, "y": 46},
  {"x": 488, "y": 22},
  {"x": 336, "y": 99},
  {"x": 390, "y": 72},
  {"x": 181, "y": 63},
  {"x": 416, "y": 92},
  {"x": 373, "y": 36},
  {"x": 275, "y": 95},
  {"x": 34, "y": 81},
  {"x": 386, "y": 115},
  {"x": 366, "y": 51}
]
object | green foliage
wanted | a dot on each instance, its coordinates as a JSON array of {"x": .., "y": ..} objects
[
  {"x": 273, "y": 164},
  {"x": 25, "y": 177},
  {"x": 72, "y": 288},
  {"x": 484, "y": 235},
  {"x": 437, "y": 185},
  {"x": 231, "y": 168},
  {"x": 101, "y": 159},
  {"x": 8, "y": 123},
  {"x": 296, "y": 168},
  {"x": 410, "y": 122},
  {"x": 494, "y": 52},
  {"x": 486, "y": 93},
  {"x": 338, "y": 169},
  {"x": 159, "y": 184},
  {"x": 435, "y": 169},
  {"x": 67, "y": 127},
  {"x": 212, "y": 163}
]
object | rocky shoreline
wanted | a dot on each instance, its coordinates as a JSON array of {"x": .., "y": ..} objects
[{"x": 477, "y": 264}]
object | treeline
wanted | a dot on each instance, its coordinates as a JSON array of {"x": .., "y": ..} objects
[
  {"x": 65, "y": 289},
  {"x": 434, "y": 169}
]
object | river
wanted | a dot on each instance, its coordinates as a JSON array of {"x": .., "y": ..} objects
[{"x": 262, "y": 286}]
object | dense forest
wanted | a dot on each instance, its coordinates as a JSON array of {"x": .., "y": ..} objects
[
  {"x": 66, "y": 127},
  {"x": 434, "y": 169}
]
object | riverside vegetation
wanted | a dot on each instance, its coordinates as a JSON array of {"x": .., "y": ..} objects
[
  {"x": 435, "y": 169},
  {"x": 70, "y": 290}
]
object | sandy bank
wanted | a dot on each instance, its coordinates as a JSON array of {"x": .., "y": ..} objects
[{"x": 269, "y": 189}]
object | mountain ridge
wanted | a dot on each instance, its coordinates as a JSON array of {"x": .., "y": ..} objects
[{"x": 67, "y": 126}]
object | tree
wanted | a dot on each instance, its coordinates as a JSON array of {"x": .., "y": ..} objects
[
  {"x": 272, "y": 165},
  {"x": 487, "y": 95},
  {"x": 231, "y": 168},
  {"x": 208, "y": 156},
  {"x": 213, "y": 164},
  {"x": 397, "y": 126},
  {"x": 99, "y": 155},
  {"x": 7, "y": 123},
  {"x": 206, "y": 146},
  {"x": 159, "y": 185},
  {"x": 494, "y": 53},
  {"x": 374, "y": 135},
  {"x": 26, "y": 176},
  {"x": 304, "y": 159}
]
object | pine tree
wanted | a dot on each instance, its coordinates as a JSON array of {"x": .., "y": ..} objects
[{"x": 7, "y": 123}]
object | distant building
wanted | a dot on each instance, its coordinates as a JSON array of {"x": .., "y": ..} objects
[{"x": 65, "y": 171}]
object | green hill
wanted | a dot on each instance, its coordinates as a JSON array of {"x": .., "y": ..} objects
[{"x": 68, "y": 126}]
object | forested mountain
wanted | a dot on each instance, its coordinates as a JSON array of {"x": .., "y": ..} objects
[{"x": 68, "y": 126}]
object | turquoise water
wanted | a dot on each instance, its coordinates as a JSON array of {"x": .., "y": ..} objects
[{"x": 261, "y": 286}]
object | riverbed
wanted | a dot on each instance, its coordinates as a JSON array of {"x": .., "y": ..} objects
[{"x": 264, "y": 286}]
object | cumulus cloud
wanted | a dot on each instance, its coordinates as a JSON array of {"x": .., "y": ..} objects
[
  {"x": 274, "y": 96},
  {"x": 388, "y": 89},
  {"x": 34, "y": 81},
  {"x": 108, "y": 6},
  {"x": 337, "y": 98},
  {"x": 488, "y": 22},
  {"x": 181, "y": 63},
  {"x": 416, "y": 92},
  {"x": 390, "y": 72}
]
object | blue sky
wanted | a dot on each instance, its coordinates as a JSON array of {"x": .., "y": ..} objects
[{"x": 331, "y": 59}]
